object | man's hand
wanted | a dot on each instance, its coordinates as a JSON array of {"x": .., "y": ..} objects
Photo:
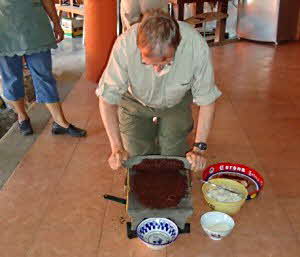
[
  {"x": 58, "y": 32},
  {"x": 117, "y": 158},
  {"x": 196, "y": 159}
]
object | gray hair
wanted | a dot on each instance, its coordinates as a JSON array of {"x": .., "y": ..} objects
[{"x": 158, "y": 30}]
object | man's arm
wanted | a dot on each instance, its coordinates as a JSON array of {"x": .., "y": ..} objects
[
  {"x": 112, "y": 85},
  {"x": 109, "y": 114},
  {"x": 50, "y": 9},
  {"x": 205, "y": 120},
  {"x": 205, "y": 93}
]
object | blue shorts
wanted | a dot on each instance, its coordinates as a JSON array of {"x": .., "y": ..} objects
[{"x": 40, "y": 66}]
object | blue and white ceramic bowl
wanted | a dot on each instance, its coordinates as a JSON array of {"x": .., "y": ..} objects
[{"x": 157, "y": 233}]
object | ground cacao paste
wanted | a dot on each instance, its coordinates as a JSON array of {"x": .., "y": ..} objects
[{"x": 158, "y": 183}]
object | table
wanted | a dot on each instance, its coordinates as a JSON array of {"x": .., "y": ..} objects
[{"x": 222, "y": 7}]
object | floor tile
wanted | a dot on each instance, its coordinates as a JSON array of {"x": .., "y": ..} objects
[
  {"x": 113, "y": 240},
  {"x": 71, "y": 227},
  {"x": 285, "y": 182},
  {"x": 259, "y": 246},
  {"x": 291, "y": 207}
]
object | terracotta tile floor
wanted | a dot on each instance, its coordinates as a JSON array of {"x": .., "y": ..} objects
[{"x": 52, "y": 206}]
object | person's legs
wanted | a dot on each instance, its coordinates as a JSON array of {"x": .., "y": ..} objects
[
  {"x": 130, "y": 13},
  {"x": 13, "y": 87},
  {"x": 174, "y": 125},
  {"x": 40, "y": 65},
  {"x": 57, "y": 113},
  {"x": 19, "y": 107},
  {"x": 131, "y": 10},
  {"x": 137, "y": 129},
  {"x": 146, "y": 5},
  {"x": 11, "y": 69}
]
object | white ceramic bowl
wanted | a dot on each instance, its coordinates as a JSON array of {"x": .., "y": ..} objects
[
  {"x": 157, "y": 233},
  {"x": 217, "y": 224}
]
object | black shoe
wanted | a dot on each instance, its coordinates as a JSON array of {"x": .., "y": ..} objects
[
  {"x": 25, "y": 127},
  {"x": 71, "y": 130}
]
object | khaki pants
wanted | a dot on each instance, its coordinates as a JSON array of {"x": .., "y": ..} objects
[
  {"x": 131, "y": 10},
  {"x": 141, "y": 136}
]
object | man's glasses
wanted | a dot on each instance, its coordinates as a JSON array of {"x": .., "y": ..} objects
[{"x": 161, "y": 66}]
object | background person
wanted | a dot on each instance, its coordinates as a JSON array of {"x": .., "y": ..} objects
[{"x": 26, "y": 32}]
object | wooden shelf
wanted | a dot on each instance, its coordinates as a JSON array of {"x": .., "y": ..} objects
[{"x": 70, "y": 9}]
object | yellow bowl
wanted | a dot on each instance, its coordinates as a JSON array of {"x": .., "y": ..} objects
[{"x": 230, "y": 208}]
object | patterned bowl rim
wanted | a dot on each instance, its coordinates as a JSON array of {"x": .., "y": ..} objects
[{"x": 168, "y": 220}]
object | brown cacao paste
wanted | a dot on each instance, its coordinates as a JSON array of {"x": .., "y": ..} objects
[{"x": 158, "y": 183}]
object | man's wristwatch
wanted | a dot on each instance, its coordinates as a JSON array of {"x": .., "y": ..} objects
[{"x": 201, "y": 145}]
